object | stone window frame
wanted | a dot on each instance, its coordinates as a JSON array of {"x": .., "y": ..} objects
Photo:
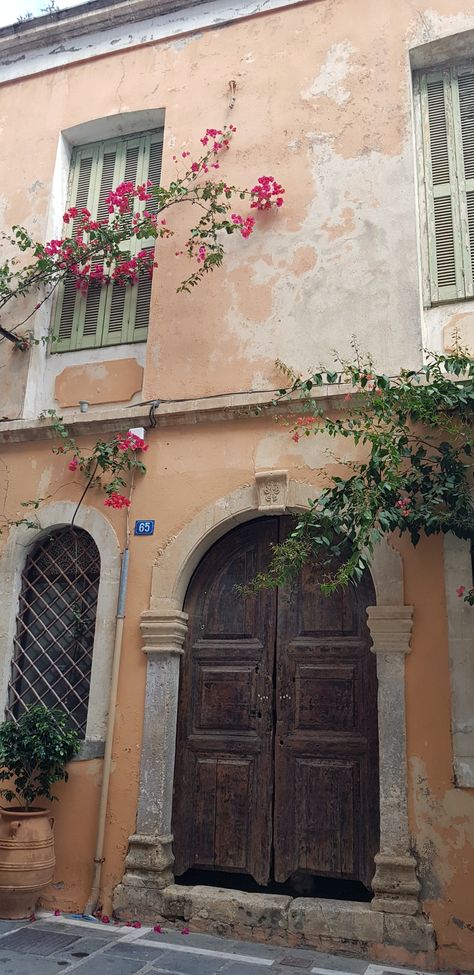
[
  {"x": 12, "y": 561},
  {"x": 107, "y": 316},
  {"x": 42, "y": 365},
  {"x": 439, "y": 54}
]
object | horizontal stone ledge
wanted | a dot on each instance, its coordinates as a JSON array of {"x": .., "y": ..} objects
[
  {"x": 325, "y": 924},
  {"x": 234, "y": 406},
  {"x": 238, "y": 908},
  {"x": 314, "y": 919}
]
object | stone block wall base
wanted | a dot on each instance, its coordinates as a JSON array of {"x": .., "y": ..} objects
[
  {"x": 148, "y": 866},
  {"x": 132, "y": 901},
  {"x": 326, "y": 925},
  {"x": 395, "y": 885}
]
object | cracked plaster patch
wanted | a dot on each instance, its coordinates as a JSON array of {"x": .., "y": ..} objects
[
  {"x": 353, "y": 289},
  {"x": 437, "y": 25},
  {"x": 329, "y": 81},
  {"x": 313, "y": 453},
  {"x": 442, "y": 825}
]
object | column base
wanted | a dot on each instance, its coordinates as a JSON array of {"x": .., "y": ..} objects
[
  {"x": 395, "y": 885},
  {"x": 148, "y": 868}
]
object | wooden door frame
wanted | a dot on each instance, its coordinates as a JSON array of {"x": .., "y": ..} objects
[{"x": 149, "y": 863}]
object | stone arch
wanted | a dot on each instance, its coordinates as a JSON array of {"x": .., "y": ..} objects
[
  {"x": 175, "y": 566},
  {"x": 20, "y": 542},
  {"x": 150, "y": 858}
]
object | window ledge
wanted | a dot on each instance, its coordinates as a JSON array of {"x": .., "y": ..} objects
[{"x": 90, "y": 749}]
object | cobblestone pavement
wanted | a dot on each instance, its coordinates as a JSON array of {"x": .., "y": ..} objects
[{"x": 55, "y": 944}]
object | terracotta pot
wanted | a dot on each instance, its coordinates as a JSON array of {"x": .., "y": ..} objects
[{"x": 26, "y": 860}]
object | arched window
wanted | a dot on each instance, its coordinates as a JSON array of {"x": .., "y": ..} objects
[{"x": 55, "y": 626}]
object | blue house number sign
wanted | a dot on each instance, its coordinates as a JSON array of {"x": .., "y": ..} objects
[{"x": 144, "y": 527}]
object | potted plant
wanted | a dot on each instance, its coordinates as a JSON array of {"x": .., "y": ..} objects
[{"x": 33, "y": 754}]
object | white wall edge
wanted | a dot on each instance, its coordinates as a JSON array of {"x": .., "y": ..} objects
[{"x": 98, "y": 43}]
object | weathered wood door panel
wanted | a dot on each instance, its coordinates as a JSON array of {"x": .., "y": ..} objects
[
  {"x": 277, "y": 758},
  {"x": 326, "y": 743},
  {"x": 224, "y": 760}
]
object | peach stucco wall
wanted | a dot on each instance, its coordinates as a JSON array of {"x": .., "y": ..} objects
[
  {"x": 324, "y": 104},
  {"x": 188, "y": 469}
]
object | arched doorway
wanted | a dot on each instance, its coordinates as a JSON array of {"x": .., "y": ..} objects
[{"x": 277, "y": 750}]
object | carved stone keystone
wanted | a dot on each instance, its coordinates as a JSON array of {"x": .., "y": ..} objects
[{"x": 272, "y": 489}]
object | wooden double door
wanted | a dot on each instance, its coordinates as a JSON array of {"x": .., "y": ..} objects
[{"x": 277, "y": 746}]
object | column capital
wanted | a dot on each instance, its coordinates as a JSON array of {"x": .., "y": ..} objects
[
  {"x": 163, "y": 632},
  {"x": 390, "y": 628}
]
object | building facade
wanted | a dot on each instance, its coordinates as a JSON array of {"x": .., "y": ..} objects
[{"x": 320, "y": 752}]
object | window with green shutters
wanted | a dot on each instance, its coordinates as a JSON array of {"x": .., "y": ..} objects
[
  {"x": 446, "y": 99},
  {"x": 115, "y": 313}
]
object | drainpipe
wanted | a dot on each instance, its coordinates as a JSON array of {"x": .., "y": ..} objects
[{"x": 94, "y": 895}]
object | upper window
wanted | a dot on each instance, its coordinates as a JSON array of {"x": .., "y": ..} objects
[
  {"x": 54, "y": 640},
  {"x": 115, "y": 313},
  {"x": 447, "y": 126}
]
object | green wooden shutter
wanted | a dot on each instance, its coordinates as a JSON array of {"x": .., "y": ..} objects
[
  {"x": 141, "y": 293},
  {"x": 68, "y": 301},
  {"x": 113, "y": 324},
  {"x": 153, "y": 167},
  {"x": 128, "y": 311},
  {"x": 447, "y": 120},
  {"x": 112, "y": 314},
  {"x": 440, "y": 165},
  {"x": 464, "y": 115}
]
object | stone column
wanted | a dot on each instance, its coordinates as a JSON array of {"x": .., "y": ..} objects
[
  {"x": 149, "y": 862},
  {"x": 395, "y": 885}
]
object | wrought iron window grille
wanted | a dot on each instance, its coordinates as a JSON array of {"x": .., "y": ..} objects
[{"x": 54, "y": 640}]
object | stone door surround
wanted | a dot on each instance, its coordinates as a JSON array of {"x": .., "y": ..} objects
[{"x": 149, "y": 863}]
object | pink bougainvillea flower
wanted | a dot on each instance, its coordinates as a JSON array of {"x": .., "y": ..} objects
[
  {"x": 305, "y": 421},
  {"x": 266, "y": 192},
  {"x": 57, "y": 913},
  {"x": 136, "y": 924},
  {"x": 137, "y": 443},
  {"x": 158, "y": 929},
  {"x": 105, "y": 919},
  {"x": 73, "y": 464},
  {"x": 130, "y": 441},
  {"x": 116, "y": 500},
  {"x": 296, "y": 437},
  {"x": 185, "y": 931},
  {"x": 460, "y": 591}
]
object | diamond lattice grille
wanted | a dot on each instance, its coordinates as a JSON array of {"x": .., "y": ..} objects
[{"x": 55, "y": 627}]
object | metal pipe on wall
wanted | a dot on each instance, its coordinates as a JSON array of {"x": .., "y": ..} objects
[{"x": 94, "y": 895}]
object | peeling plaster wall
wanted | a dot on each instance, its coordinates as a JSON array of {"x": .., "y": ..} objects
[
  {"x": 324, "y": 103},
  {"x": 334, "y": 123}
]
